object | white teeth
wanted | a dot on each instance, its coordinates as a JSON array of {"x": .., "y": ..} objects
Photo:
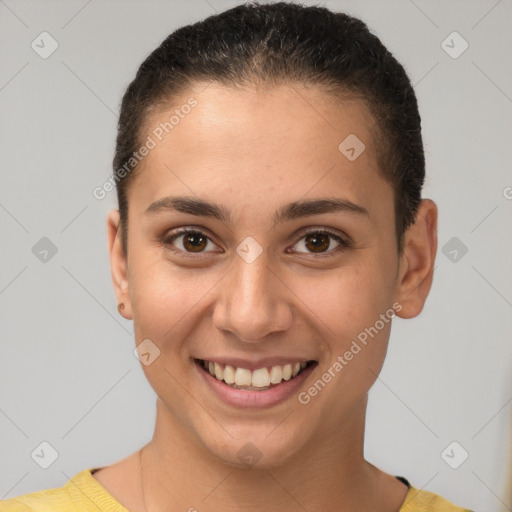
[
  {"x": 276, "y": 374},
  {"x": 243, "y": 377},
  {"x": 229, "y": 374},
  {"x": 219, "y": 373},
  {"x": 261, "y": 378}
]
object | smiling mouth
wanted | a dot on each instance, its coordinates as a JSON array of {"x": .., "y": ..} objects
[{"x": 259, "y": 379}]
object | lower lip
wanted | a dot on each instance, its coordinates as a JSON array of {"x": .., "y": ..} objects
[{"x": 254, "y": 399}]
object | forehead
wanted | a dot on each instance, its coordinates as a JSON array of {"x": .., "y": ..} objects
[
  {"x": 281, "y": 117},
  {"x": 258, "y": 140}
]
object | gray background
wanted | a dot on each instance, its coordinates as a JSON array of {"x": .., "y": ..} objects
[{"x": 68, "y": 374}]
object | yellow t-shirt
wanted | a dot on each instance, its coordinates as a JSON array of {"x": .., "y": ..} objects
[{"x": 83, "y": 493}]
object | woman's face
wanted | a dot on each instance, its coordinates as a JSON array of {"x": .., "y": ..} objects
[{"x": 258, "y": 283}]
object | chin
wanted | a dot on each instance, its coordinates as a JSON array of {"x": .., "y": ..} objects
[{"x": 258, "y": 448}]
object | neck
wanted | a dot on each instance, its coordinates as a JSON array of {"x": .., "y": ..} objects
[{"x": 327, "y": 474}]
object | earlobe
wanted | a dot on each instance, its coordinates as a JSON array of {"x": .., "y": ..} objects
[
  {"x": 418, "y": 257},
  {"x": 118, "y": 265}
]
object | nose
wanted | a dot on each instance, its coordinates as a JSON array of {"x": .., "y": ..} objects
[{"x": 253, "y": 302}]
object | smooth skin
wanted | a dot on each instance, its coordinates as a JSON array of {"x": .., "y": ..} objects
[{"x": 252, "y": 151}]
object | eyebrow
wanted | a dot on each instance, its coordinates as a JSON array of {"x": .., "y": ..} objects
[{"x": 288, "y": 212}]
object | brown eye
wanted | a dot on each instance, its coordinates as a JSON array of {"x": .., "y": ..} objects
[
  {"x": 189, "y": 241},
  {"x": 194, "y": 242},
  {"x": 320, "y": 242}
]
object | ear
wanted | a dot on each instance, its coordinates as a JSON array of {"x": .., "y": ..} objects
[
  {"x": 118, "y": 264},
  {"x": 417, "y": 261}
]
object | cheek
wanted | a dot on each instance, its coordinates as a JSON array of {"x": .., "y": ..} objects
[
  {"x": 354, "y": 308},
  {"x": 349, "y": 299},
  {"x": 355, "y": 337},
  {"x": 168, "y": 305},
  {"x": 163, "y": 297},
  {"x": 173, "y": 308}
]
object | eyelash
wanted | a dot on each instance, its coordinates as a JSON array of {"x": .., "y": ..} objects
[{"x": 343, "y": 243}]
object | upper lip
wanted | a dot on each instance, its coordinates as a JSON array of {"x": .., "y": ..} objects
[{"x": 254, "y": 364}]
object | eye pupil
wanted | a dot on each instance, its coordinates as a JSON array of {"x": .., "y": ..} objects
[
  {"x": 320, "y": 242},
  {"x": 194, "y": 242}
]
